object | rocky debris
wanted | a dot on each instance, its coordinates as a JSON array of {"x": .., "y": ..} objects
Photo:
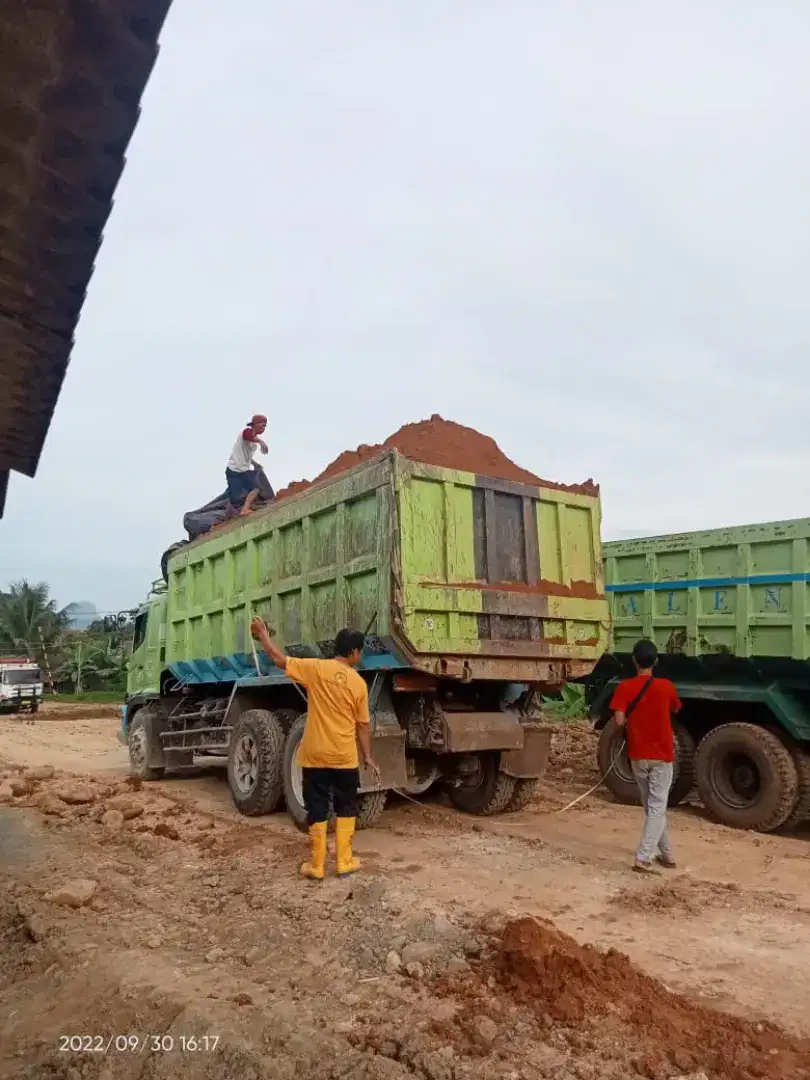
[
  {"x": 75, "y": 793},
  {"x": 485, "y": 1031},
  {"x": 456, "y": 965},
  {"x": 125, "y": 805},
  {"x": 393, "y": 962},
  {"x": 443, "y": 928},
  {"x": 6, "y": 794},
  {"x": 113, "y": 820},
  {"x": 415, "y": 970},
  {"x": 51, "y": 806},
  {"x": 18, "y": 786},
  {"x": 419, "y": 952},
  {"x": 73, "y": 894},
  {"x": 39, "y": 772},
  {"x": 35, "y": 927},
  {"x": 163, "y": 828}
]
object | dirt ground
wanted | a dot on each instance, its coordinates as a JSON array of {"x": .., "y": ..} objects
[{"x": 516, "y": 947}]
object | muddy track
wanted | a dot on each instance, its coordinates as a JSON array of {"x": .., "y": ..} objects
[{"x": 467, "y": 948}]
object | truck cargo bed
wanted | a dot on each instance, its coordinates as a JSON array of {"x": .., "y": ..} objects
[{"x": 456, "y": 574}]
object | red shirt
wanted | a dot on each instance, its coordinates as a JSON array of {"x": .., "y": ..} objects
[{"x": 649, "y": 728}]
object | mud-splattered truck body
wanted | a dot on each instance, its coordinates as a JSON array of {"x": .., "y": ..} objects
[
  {"x": 728, "y": 610},
  {"x": 475, "y": 592}
]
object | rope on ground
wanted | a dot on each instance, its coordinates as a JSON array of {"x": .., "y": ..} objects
[{"x": 585, "y": 794}]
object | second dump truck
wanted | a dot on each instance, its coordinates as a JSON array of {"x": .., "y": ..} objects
[
  {"x": 476, "y": 594},
  {"x": 729, "y": 610}
]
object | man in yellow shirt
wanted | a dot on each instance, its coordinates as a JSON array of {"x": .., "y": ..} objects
[{"x": 337, "y": 720}]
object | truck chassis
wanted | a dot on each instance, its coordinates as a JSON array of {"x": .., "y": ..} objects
[{"x": 489, "y": 754}]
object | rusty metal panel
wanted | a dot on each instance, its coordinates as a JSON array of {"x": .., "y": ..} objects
[
  {"x": 532, "y": 759},
  {"x": 491, "y": 568},
  {"x": 473, "y": 731}
]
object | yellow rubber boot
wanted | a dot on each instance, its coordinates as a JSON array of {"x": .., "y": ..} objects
[
  {"x": 344, "y": 832},
  {"x": 314, "y": 869}
]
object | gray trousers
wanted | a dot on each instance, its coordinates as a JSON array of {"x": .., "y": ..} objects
[{"x": 654, "y": 779}]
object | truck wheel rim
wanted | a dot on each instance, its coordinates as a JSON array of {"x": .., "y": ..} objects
[
  {"x": 137, "y": 748},
  {"x": 738, "y": 781},
  {"x": 246, "y": 764},
  {"x": 297, "y": 779}
]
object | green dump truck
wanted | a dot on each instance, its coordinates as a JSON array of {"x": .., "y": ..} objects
[
  {"x": 728, "y": 610},
  {"x": 476, "y": 593}
]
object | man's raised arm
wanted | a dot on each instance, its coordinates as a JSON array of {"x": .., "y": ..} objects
[{"x": 259, "y": 631}]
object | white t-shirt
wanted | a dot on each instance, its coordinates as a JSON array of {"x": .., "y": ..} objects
[{"x": 241, "y": 459}]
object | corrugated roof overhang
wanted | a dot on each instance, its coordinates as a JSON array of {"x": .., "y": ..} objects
[{"x": 72, "y": 78}]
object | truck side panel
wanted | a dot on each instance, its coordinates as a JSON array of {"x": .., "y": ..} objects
[
  {"x": 310, "y": 566},
  {"x": 741, "y": 591}
]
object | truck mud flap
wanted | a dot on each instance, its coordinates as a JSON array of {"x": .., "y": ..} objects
[
  {"x": 387, "y": 744},
  {"x": 531, "y": 761},
  {"x": 470, "y": 732},
  {"x": 388, "y": 748}
]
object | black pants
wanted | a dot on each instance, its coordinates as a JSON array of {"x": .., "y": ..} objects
[{"x": 326, "y": 790}]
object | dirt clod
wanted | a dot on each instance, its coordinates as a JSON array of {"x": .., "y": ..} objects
[
  {"x": 73, "y": 894},
  {"x": 163, "y": 828},
  {"x": 75, "y": 793},
  {"x": 113, "y": 820},
  {"x": 39, "y": 772}
]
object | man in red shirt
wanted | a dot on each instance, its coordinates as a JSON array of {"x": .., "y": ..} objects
[{"x": 645, "y": 705}]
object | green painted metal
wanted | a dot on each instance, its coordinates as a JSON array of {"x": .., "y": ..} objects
[
  {"x": 148, "y": 655},
  {"x": 425, "y": 552},
  {"x": 739, "y": 591}
]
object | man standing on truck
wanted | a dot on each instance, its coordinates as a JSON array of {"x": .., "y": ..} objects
[
  {"x": 337, "y": 720},
  {"x": 645, "y": 705},
  {"x": 243, "y": 488}
]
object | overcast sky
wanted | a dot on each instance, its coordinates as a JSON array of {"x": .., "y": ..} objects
[{"x": 582, "y": 228}]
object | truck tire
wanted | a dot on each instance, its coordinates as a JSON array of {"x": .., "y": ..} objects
[
  {"x": 489, "y": 791},
  {"x": 140, "y": 743},
  {"x": 293, "y": 778},
  {"x": 620, "y": 780},
  {"x": 747, "y": 777},
  {"x": 369, "y": 806},
  {"x": 286, "y": 717},
  {"x": 255, "y": 756},
  {"x": 801, "y": 810},
  {"x": 525, "y": 791}
]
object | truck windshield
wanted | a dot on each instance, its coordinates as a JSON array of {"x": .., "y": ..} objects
[{"x": 20, "y": 678}]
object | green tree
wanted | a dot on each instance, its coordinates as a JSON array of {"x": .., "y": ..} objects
[
  {"x": 29, "y": 618},
  {"x": 93, "y": 665}
]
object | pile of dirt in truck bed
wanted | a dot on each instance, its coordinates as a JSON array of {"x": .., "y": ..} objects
[
  {"x": 605, "y": 994},
  {"x": 443, "y": 443}
]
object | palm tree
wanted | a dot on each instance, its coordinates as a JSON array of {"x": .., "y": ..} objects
[{"x": 30, "y": 621}]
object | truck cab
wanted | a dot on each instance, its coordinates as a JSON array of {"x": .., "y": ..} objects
[
  {"x": 20, "y": 685},
  {"x": 148, "y": 654}
]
